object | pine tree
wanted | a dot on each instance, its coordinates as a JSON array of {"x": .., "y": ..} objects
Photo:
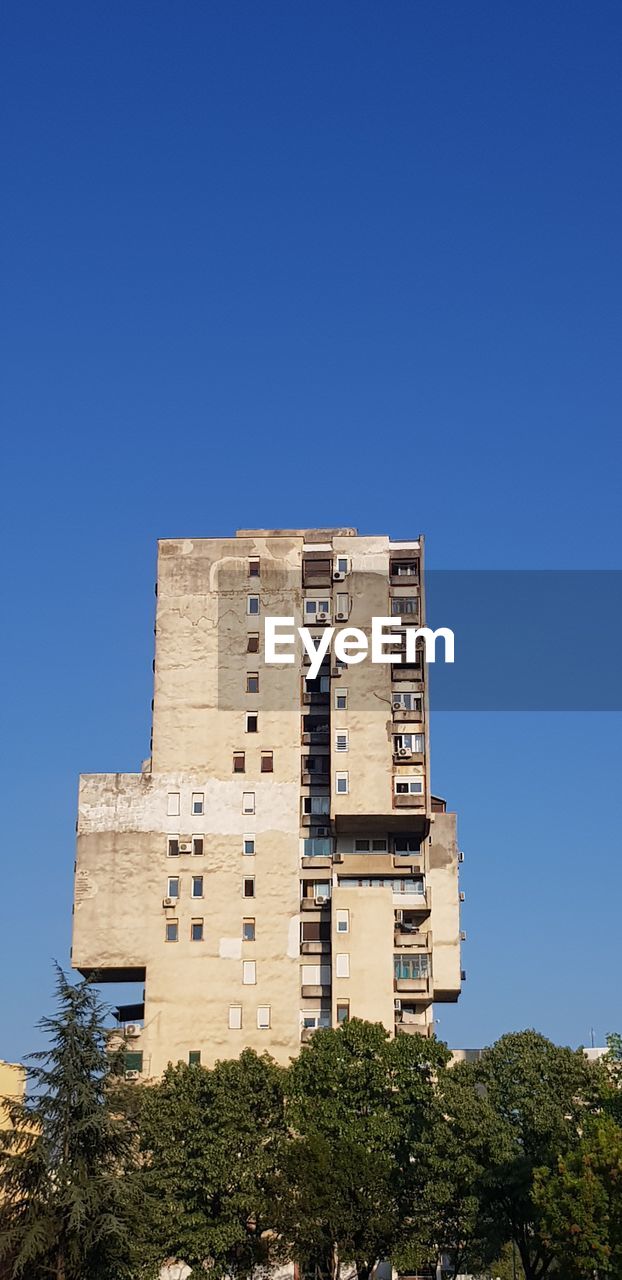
[{"x": 68, "y": 1194}]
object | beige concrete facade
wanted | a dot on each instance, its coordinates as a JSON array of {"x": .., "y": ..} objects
[
  {"x": 12, "y": 1086},
  {"x": 279, "y": 863}
]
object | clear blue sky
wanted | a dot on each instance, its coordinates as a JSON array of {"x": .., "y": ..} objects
[{"x": 301, "y": 264}]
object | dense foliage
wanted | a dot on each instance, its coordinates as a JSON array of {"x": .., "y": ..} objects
[{"x": 366, "y": 1147}]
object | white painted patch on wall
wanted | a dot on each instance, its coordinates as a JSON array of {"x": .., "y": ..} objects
[
  {"x": 230, "y": 948},
  {"x": 293, "y": 938}
]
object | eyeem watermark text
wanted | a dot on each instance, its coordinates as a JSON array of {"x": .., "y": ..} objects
[{"x": 351, "y": 645}]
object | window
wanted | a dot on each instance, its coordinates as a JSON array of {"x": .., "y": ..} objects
[
  {"x": 341, "y": 740},
  {"x": 317, "y": 847},
  {"x": 197, "y": 886},
  {"x": 252, "y": 605},
  {"x": 173, "y": 847},
  {"x": 316, "y": 804},
  {"x": 342, "y": 604},
  {"x": 239, "y": 762},
  {"x": 321, "y": 889},
  {"x": 403, "y": 845},
  {"x": 408, "y": 786},
  {"x": 248, "y": 845},
  {"x": 235, "y": 1017},
  {"x": 248, "y": 802},
  {"x": 401, "y": 606},
  {"x": 315, "y": 975},
  {"x": 407, "y": 701},
  {"x": 197, "y": 845},
  {"x": 252, "y": 643},
  {"x": 172, "y": 930},
  {"x": 405, "y": 884},
  {"x": 173, "y": 887},
  {"x": 370, "y": 846},
  {"x": 252, "y": 682},
  {"x": 317, "y": 610},
  {"x": 194, "y": 1058},
  {"x": 249, "y": 973},
  {"x": 341, "y": 699},
  {"x": 343, "y": 1010},
  {"x": 196, "y": 930},
  {"x": 342, "y": 564},
  {"x": 405, "y": 568},
  {"x": 133, "y": 1060},
  {"x": 343, "y": 921},
  {"x": 248, "y": 929},
  {"x": 249, "y": 887},
  {"x": 172, "y": 807},
  {"x": 252, "y": 722},
  {"x": 311, "y": 1019},
  {"x": 197, "y": 802},
  {"x": 341, "y": 784},
  {"x": 253, "y": 567},
  {"x": 267, "y": 762},
  {"x": 342, "y": 965},
  {"x": 406, "y": 968},
  {"x": 409, "y": 742},
  {"x": 263, "y": 1017}
]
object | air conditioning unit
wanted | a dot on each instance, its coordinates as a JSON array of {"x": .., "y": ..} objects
[
  {"x": 132, "y": 1075},
  {"x": 322, "y": 617},
  {"x": 132, "y": 1030},
  {"x": 341, "y": 617},
  {"x": 397, "y": 1005},
  {"x": 169, "y": 902},
  {"x": 463, "y": 897},
  {"x": 460, "y": 855},
  {"x": 185, "y": 846},
  {"x": 337, "y": 856},
  {"x": 320, "y": 900},
  {"x": 463, "y": 935},
  {"x": 338, "y": 575},
  {"x": 397, "y": 706},
  {"x": 404, "y": 752}
]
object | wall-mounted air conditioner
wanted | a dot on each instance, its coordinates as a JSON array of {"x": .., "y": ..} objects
[{"x": 132, "y": 1030}]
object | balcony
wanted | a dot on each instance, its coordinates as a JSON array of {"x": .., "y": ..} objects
[
  {"x": 316, "y": 737},
  {"x": 414, "y": 671},
  {"x": 403, "y": 755},
  {"x": 425, "y": 1029},
  {"x": 313, "y": 698},
  {"x": 409, "y": 801},
  {"x": 314, "y": 904},
  {"x": 413, "y": 939},
  {"x": 315, "y": 992},
  {"x": 314, "y": 947},
  {"x": 413, "y": 986},
  {"x": 405, "y": 716},
  {"x": 414, "y": 862}
]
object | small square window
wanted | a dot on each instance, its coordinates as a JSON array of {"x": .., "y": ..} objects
[
  {"x": 173, "y": 847},
  {"x": 172, "y": 930},
  {"x": 172, "y": 807},
  {"x": 253, "y": 567},
  {"x": 343, "y": 921},
  {"x": 341, "y": 740},
  {"x": 235, "y": 1017},
  {"x": 343, "y": 1010},
  {"x": 248, "y": 802},
  {"x": 197, "y": 886},
  {"x": 342, "y": 564},
  {"x": 197, "y": 845},
  {"x": 252, "y": 642},
  {"x": 342, "y": 965},
  {"x": 249, "y": 973},
  {"x": 252, "y": 682},
  {"x": 248, "y": 929},
  {"x": 341, "y": 784},
  {"x": 197, "y": 802},
  {"x": 252, "y": 605},
  {"x": 194, "y": 1058},
  {"x": 252, "y": 722},
  {"x": 173, "y": 887},
  {"x": 341, "y": 700},
  {"x": 248, "y": 845},
  {"x": 263, "y": 1017},
  {"x": 196, "y": 931},
  {"x": 239, "y": 762},
  {"x": 249, "y": 887},
  {"x": 267, "y": 762}
]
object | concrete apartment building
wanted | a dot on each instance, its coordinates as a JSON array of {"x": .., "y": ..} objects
[{"x": 280, "y": 863}]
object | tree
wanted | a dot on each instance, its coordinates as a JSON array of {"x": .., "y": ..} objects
[
  {"x": 580, "y": 1204},
  {"x": 450, "y": 1216},
  {"x": 542, "y": 1096},
  {"x": 70, "y": 1204},
  {"x": 359, "y": 1104},
  {"x": 211, "y": 1142}
]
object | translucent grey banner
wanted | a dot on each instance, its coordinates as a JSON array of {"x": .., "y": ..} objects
[{"x": 525, "y": 640}]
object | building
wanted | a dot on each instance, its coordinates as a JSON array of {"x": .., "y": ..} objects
[
  {"x": 280, "y": 863},
  {"x": 12, "y": 1087}
]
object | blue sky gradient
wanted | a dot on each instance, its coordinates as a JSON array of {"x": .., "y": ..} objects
[{"x": 291, "y": 264}]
